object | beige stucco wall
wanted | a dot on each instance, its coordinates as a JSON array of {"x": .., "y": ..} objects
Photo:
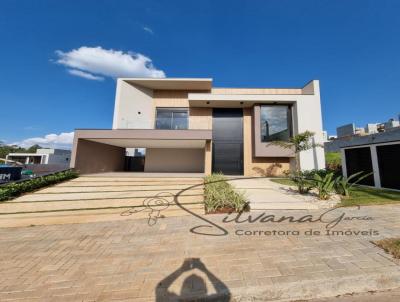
[
  {"x": 171, "y": 98},
  {"x": 200, "y": 118},
  {"x": 259, "y": 166},
  {"x": 93, "y": 157},
  {"x": 174, "y": 160}
]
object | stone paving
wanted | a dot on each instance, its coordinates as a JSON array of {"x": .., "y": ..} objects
[
  {"x": 383, "y": 296},
  {"x": 133, "y": 261}
]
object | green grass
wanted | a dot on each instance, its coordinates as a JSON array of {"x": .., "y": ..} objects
[
  {"x": 333, "y": 158},
  {"x": 370, "y": 196},
  {"x": 12, "y": 190},
  {"x": 359, "y": 195},
  {"x": 220, "y": 195},
  {"x": 283, "y": 181}
]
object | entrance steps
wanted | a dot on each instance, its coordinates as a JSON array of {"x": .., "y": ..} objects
[{"x": 94, "y": 198}]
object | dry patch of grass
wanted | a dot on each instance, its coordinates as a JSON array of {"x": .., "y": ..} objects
[{"x": 391, "y": 246}]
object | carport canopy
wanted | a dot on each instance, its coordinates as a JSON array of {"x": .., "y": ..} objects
[
  {"x": 103, "y": 150},
  {"x": 146, "y": 138}
]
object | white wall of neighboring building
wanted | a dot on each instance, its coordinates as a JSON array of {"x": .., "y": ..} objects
[{"x": 48, "y": 156}]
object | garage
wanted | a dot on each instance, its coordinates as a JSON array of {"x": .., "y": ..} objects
[
  {"x": 185, "y": 151},
  {"x": 383, "y": 159}
]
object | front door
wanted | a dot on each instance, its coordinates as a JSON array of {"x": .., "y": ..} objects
[{"x": 227, "y": 132}]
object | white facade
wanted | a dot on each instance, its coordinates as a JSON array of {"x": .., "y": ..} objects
[{"x": 135, "y": 108}]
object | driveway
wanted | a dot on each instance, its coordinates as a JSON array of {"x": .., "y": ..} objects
[
  {"x": 104, "y": 197},
  {"x": 115, "y": 196},
  {"x": 187, "y": 256}
]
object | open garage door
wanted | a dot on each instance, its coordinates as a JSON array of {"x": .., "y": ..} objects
[
  {"x": 389, "y": 165},
  {"x": 359, "y": 159}
]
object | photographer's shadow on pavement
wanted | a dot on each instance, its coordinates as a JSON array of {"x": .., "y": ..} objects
[{"x": 194, "y": 287}]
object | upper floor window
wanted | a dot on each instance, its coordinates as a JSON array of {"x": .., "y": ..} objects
[
  {"x": 275, "y": 123},
  {"x": 172, "y": 118}
]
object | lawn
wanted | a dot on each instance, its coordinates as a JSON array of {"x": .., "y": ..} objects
[
  {"x": 359, "y": 195},
  {"x": 333, "y": 158}
]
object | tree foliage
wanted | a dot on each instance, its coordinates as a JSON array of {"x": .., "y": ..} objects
[
  {"x": 299, "y": 142},
  {"x": 6, "y": 149}
]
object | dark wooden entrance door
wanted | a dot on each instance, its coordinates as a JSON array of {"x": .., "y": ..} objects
[{"x": 227, "y": 141}]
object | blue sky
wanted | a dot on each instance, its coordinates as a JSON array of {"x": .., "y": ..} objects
[{"x": 352, "y": 47}]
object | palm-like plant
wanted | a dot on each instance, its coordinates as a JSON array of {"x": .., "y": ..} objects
[
  {"x": 325, "y": 185},
  {"x": 343, "y": 185},
  {"x": 300, "y": 142}
]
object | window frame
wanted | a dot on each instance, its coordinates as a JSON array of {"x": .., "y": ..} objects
[
  {"x": 172, "y": 109},
  {"x": 289, "y": 119}
]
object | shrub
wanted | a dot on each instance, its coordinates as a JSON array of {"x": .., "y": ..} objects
[
  {"x": 302, "y": 181},
  {"x": 219, "y": 194},
  {"x": 324, "y": 185},
  {"x": 343, "y": 185},
  {"x": 15, "y": 189}
]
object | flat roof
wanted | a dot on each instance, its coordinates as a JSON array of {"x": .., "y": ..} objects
[
  {"x": 172, "y": 83},
  {"x": 390, "y": 136}
]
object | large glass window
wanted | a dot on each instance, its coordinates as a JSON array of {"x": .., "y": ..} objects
[
  {"x": 172, "y": 118},
  {"x": 275, "y": 123}
]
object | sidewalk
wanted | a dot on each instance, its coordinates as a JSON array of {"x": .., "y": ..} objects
[{"x": 132, "y": 261}]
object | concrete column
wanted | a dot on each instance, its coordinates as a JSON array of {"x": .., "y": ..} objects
[
  {"x": 343, "y": 157},
  {"x": 208, "y": 158},
  {"x": 375, "y": 167}
]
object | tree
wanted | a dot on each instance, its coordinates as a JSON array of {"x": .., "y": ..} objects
[
  {"x": 32, "y": 149},
  {"x": 298, "y": 143}
]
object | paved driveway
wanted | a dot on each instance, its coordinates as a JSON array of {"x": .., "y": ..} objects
[
  {"x": 133, "y": 261},
  {"x": 104, "y": 197}
]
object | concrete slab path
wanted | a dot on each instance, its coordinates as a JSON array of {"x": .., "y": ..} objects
[{"x": 264, "y": 194}]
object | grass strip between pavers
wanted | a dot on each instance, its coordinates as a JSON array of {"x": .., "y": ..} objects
[
  {"x": 90, "y": 209},
  {"x": 27, "y": 201},
  {"x": 82, "y": 192}
]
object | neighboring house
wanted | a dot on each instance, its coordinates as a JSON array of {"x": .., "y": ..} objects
[
  {"x": 350, "y": 132},
  {"x": 186, "y": 125},
  {"x": 377, "y": 153},
  {"x": 43, "y": 156}
]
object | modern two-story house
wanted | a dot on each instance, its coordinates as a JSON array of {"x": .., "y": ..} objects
[{"x": 187, "y": 125}]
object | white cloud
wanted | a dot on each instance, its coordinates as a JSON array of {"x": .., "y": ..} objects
[
  {"x": 148, "y": 29},
  {"x": 62, "y": 141},
  {"x": 94, "y": 62},
  {"x": 85, "y": 75}
]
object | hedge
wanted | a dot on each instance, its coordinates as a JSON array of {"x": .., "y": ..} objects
[{"x": 13, "y": 190}]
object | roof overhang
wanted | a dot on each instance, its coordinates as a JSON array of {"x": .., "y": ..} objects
[
  {"x": 172, "y": 83},
  {"x": 239, "y": 100},
  {"x": 147, "y": 138}
]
